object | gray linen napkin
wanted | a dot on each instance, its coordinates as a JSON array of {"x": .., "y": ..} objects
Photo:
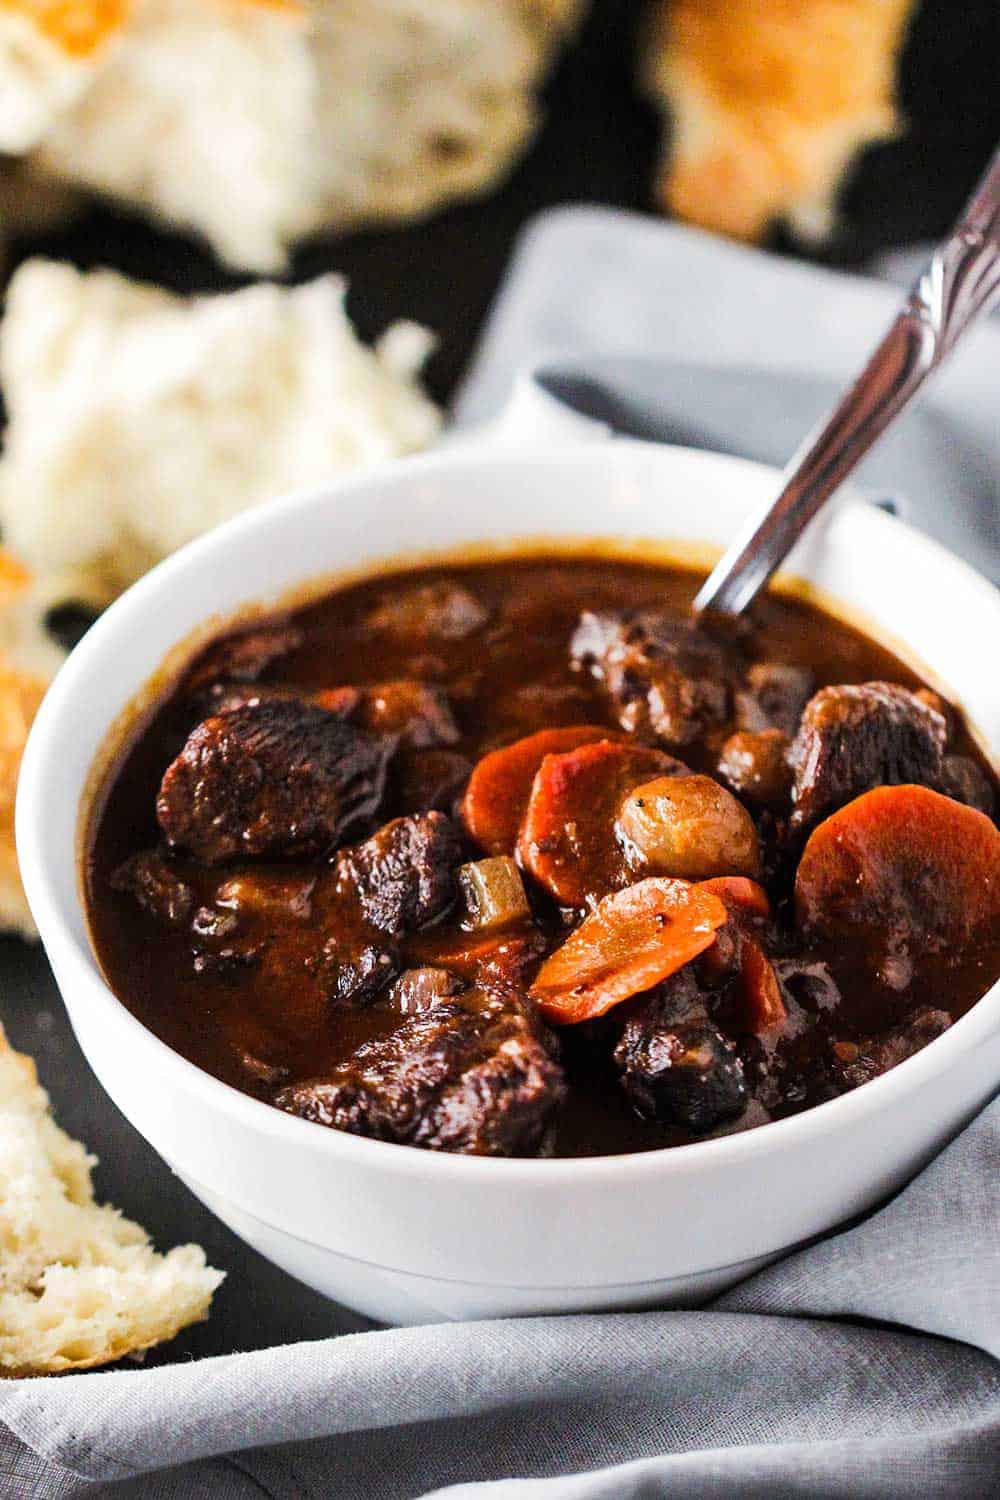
[
  {"x": 750, "y": 351},
  {"x": 867, "y": 1364}
]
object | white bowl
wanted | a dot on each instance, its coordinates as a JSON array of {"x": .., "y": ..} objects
[{"x": 407, "y": 1235}]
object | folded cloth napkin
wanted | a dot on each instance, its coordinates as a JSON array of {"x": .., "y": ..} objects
[
  {"x": 750, "y": 351},
  {"x": 867, "y": 1364}
]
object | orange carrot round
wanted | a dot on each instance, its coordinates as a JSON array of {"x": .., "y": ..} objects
[
  {"x": 630, "y": 942},
  {"x": 901, "y": 866},
  {"x": 739, "y": 894},
  {"x": 500, "y": 785},
  {"x": 568, "y": 840}
]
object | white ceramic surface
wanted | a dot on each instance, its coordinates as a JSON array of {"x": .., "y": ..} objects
[{"x": 408, "y": 1235}]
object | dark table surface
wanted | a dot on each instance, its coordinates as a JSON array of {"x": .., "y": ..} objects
[{"x": 599, "y": 146}]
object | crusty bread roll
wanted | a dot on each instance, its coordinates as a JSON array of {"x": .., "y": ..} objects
[
  {"x": 49, "y": 53},
  {"x": 770, "y": 100},
  {"x": 259, "y": 122},
  {"x": 138, "y": 419},
  {"x": 79, "y": 1284}
]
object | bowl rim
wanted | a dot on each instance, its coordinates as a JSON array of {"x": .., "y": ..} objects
[{"x": 33, "y": 812}]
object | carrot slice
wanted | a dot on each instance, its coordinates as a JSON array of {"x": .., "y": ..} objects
[
  {"x": 902, "y": 866},
  {"x": 500, "y": 785},
  {"x": 568, "y": 840},
  {"x": 739, "y": 894},
  {"x": 766, "y": 1012},
  {"x": 633, "y": 940}
]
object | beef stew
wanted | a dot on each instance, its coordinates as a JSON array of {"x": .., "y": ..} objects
[{"x": 510, "y": 858}]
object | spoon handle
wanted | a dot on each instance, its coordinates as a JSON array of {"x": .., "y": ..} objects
[{"x": 961, "y": 283}]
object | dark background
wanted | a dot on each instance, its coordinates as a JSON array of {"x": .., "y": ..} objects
[{"x": 600, "y": 145}]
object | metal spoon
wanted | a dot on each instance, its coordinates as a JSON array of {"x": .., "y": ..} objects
[{"x": 961, "y": 283}]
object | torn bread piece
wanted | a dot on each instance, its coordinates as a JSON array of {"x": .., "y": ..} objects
[
  {"x": 79, "y": 1284},
  {"x": 256, "y": 123},
  {"x": 771, "y": 101},
  {"x": 138, "y": 419},
  {"x": 29, "y": 659},
  {"x": 50, "y": 51}
]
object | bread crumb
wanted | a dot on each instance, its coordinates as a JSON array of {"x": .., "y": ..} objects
[
  {"x": 79, "y": 1284},
  {"x": 256, "y": 123},
  {"x": 138, "y": 420}
]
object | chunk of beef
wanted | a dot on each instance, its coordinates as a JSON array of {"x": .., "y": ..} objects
[
  {"x": 475, "y": 1076},
  {"x": 223, "y": 697},
  {"x": 857, "y": 1062},
  {"x": 404, "y": 875},
  {"x": 417, "y": 714},
  {"x": 681, "y": 1073},
  {"x": 676, "y": 1065},
  {"x": 962, "y": 779},
  {"x": 665, "y": 677},
  {"x": 755, "y": 764},
  {"x": 431, "y": 780},
  {"x": 272, "y": 778},
  {"x": 443, "y": 611},
  {"x": 420, "y": 989},
  {"x": 245, "y": 655},
  {"x": 354, "y": 974},
  {"x": 859, "y": 736},
  {"x": 773, "y": 697},
  {"x": 275, "y": 896},
  {"x": 152, "y": 878}
]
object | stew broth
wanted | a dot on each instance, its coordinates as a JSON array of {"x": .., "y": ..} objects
[{"x": 259, "y": 992}]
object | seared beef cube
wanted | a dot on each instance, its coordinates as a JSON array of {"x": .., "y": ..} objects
[
  {"x": 476, "y": 1077},
  {"x": 432, "y": 611},
  {"x": 962, "y": 779},
  {"x": 773, "y": 698},
  {"x": 420, "y": 989},
  {"x": 354, "y": 976},
  {"x": 855, "y": 1063},
  {"x": 404, "y": 874},
  {"x": 417, "y": 714},
  {"x": 680, "y": 1072},
  {"x": 272, "y": 778},
  {"x": 276, "y": 896},
  {"x": 859, "y": 736},
  {"x": 244, "y": 656},
  {"x": 432, "y": 780},
  {"x": 664, "y": 677},
  {"x": 223, "y": 697},
  {"x": 155, "y": 883},
  {"x": 755, "y": 765}
]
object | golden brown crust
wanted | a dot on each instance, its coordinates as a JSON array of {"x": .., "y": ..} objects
[
  {"x": 771, "y": 100},
  {"x": 77, "y": 28}
]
